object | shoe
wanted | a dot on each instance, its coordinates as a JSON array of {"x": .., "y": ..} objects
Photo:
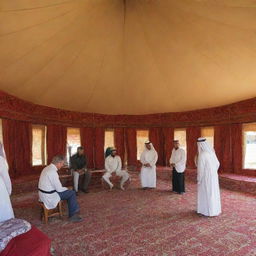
[
  {"x": 75, "y": 218},
  {"x": 122, "y": 188},
  {"x": 85, "y": 191},
  {"x": 77, "y": 193}
]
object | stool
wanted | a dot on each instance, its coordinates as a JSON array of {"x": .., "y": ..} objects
[{"x": 47, "y": 213}]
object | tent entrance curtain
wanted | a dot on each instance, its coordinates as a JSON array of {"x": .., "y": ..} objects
[
  {"x": 119, "y": 138},
  {"x": 131, "y": 146},
  {"x": 87, "y": 141},
  {"x": 222, "y": 145},
  {"x": 168, "y": 137},
  {"x": 17, "y": 138},
  {"x": 192, "y": 134},
  {"x": 56, "y": 141},
  {"x": 156, "y": 137},
  {"x": 99, "y": 148}
]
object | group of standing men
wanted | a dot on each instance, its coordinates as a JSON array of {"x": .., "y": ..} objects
[
  {"x": 148, "y": 160},
  {"x": 208, "y": 192}
]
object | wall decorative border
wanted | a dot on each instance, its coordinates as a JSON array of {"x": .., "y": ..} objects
[{"x": 12, "y": 107}]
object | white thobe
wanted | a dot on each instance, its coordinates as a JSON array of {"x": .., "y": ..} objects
[
  {"x": 6, "y": 211},
  {"x": 49, "y": 180},
  {"x": 114, "y": 164},
  {"x": 208, "y": 201},
  {"x": 148, "y": 174},
  {"x": 178, "y": 158}
]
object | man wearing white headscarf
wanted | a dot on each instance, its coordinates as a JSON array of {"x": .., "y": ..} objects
[
  {"x": 113, "y": 164},
  {"x": 148, "y": 159},
  {"x": 208, "y": 200},
  {"x": 6, "y": 211}
]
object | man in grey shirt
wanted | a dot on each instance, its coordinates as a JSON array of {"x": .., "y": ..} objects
[{"x": 78, "y": 164}]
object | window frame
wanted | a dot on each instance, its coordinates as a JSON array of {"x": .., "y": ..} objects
[
  {"x": 208, "y": 127},
  {"x": 244, "y": 145},
  {"x": 112, "y": 130},
  {"x": 181, "y": 129},
  {"x": 137, "y": 131},
  {"x": 1, "y": 131},
  {"x": 69, "y": 154},
  {"x": 43, "y": 128}
]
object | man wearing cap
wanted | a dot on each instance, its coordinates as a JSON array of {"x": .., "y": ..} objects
[
  {"x": 148, "y": 160},
  {"x": 78, "y": 165},
  {"x": 113, "y": 163},
  {"x": 178, "y": 165}
]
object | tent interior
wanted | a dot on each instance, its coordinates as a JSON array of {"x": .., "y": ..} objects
[{"x": 116, "y": 73}]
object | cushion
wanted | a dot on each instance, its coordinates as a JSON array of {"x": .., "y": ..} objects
[{"x": 10, "y": 229}]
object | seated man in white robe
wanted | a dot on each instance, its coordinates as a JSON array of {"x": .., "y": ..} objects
[
  {"x": 113, "y": 164},
  {"x": 51, "y": 190},
  {"x": 6, "y": 211},
  {"x": 148, "y": 159},
  {"x": 208, "y": 200}
]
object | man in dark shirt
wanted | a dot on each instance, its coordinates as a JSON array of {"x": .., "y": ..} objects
[{"x": 78, "y": 165}]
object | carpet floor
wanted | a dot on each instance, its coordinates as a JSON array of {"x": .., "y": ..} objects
[{"x": 151, "y": 223}]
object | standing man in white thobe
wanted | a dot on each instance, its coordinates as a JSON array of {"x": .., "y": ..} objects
[
  {"x": 208, "y": 200},
  {"x": 113, "y": 163},
  {"x": 6, "y": 211},
  {"x": 148, "y": 159},
  {"x": 178, "y": 164},
  {"x": 51, "y": 190}
]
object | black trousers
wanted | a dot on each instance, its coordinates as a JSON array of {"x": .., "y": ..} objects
[
  {"x": 86, "y": 180},
  {"x": 178, "y": 181}
]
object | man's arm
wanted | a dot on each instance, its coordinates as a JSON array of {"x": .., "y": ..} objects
[
  {"x": 119, "y": 167},
  {"x": 107, "y": 165},
  {"x": 5, "y": 176},
  {"x": 183, "y": 157},
  {"x": 200, "y": 169},
  {"x": 55, "y": 180},
  {"x": 172, "y": 164},
  {"x": 73, "y": 164},
  {"x": 85, "y": 161},
  {"x": 153, "y": 161}
]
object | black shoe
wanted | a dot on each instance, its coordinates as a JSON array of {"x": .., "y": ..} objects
[{"x": 75, "y": 218}]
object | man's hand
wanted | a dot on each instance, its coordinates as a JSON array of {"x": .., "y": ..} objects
[
  {"x": 147, "y": 165},
  {"x": 81, "y": 171}
]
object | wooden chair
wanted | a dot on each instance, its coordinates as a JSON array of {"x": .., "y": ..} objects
[{"x": 46, "y": 213}]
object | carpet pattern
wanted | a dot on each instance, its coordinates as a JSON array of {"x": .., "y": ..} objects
[{"x": 151, "y": 223}]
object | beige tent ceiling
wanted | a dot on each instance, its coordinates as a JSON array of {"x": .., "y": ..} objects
[{"x": 128, "y": 56}]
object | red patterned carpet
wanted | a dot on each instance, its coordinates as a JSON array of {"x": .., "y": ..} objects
[{"x": 150, "y": 223}]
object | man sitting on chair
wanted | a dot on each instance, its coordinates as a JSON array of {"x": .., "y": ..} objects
[
  {"x": 78, "y": 165},
  {"x": 51, "y": 190},
  {"x": 113, "y": 163}
]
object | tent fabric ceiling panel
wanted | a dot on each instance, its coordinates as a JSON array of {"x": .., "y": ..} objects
[{"x": 128, "y": 56}]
